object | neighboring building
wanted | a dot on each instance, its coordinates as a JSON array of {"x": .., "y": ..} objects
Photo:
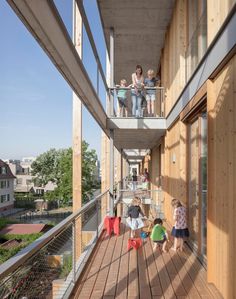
[
  {"x": 26, "y": 164},
  {"x": 24, "y": 185},
  {"x": 6, "y": 187}
]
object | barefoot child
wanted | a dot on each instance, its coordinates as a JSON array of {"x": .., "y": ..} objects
[
  {"x": 122, "y": 98},
  {"x": 134, "y": 221},
  {"x": 150, "y": 81},
  {"x": 159, "y": 235},
  {"x": 180, "y": 230}
]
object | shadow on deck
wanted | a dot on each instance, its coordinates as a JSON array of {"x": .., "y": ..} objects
[{"x": 114, "y": 272}]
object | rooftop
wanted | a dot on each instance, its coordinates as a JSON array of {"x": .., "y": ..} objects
[{"x": 23, "y": 229}]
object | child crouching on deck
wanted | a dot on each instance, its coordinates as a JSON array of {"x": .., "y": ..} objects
[{"x": 159, "y": 235}]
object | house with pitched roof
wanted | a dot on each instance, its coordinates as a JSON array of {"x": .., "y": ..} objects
[{"x": 6, "y": 187}]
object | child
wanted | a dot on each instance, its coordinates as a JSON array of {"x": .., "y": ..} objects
[
  {"x": 159, "y": 235},
  {"x": 133, "y": 213},
  {"x": 122, "y": 98},
  {"x": 134, "y": 179},
  {"x": 150, "y": 81},
  {"x": 180, "y": 230}
]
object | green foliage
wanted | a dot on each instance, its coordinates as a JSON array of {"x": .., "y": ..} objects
[
  {"x": 25, "y": 238},
  {"x": 88, "y": 169},
  {"x": 67, "y": 266},
  {"x": 5, "y": 254},
  {"x": 56, "y": 166},
  {"x": 4, "y": 222}
]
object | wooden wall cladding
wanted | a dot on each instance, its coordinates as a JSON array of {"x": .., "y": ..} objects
[
  {"x": 174, "y": 180},
  {"x": 221, "y": 243},
  {"x": 173, "y": 56},
  {"x": 217, "y": 11}
]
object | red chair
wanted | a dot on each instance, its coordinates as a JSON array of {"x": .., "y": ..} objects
[
  {"x": 134, "y": 243},
  {"x": 112, "y": 224}
]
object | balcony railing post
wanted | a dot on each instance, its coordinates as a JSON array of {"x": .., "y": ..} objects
[
  {"x": 111, "y": 206},
  {"x": 112, "y": 70},
  {"x": 97, "y": 217},
  {"x": 73, "y": 252}
]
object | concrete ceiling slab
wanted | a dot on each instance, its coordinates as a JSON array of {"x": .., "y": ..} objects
[
  {"x": 137, "y": 138},
  {"x": 139, "y": 32}
]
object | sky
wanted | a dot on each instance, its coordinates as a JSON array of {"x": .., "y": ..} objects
[{"x": 35, "y": 100}]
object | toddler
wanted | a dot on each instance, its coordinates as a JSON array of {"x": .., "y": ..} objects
[
  {"x": 159, "y": 235},
  {"x": 122, "y": 98},
  {"x": 150, "y": 81}
]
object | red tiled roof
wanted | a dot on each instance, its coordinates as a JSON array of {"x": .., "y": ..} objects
[
  {"x": 22, "y": 229},
  {"x": 8, "y": 174}
]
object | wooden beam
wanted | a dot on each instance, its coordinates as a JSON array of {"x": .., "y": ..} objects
[
  {"x": 194, "y": 102},
  {"x": 77, "y": 136},
  {"x": 44, "y": 22},
  {"x": 90, "y": 36}
]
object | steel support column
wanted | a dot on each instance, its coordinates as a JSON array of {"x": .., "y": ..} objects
[
  {"x": 111, "y": 173},
  {"x": 112, "y": 70}
]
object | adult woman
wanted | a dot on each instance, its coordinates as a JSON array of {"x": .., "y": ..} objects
[{"x": 136, "y": 91}]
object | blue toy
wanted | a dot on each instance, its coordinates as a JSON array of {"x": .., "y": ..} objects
[{"x": 143, "y": 235}]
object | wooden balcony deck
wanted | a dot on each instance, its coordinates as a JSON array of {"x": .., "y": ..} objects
[{"x": 114, "y": 272}]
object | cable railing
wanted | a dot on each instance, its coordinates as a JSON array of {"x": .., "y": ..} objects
[
  {"x": 149, "y": 103},
  {"x": 152, "y": 202},
  {"x": 49, "y": 267}
]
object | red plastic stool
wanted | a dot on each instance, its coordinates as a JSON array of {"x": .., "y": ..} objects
[
  {"x": 134, "y": 243},
  {"x": 112, "y": 224}
]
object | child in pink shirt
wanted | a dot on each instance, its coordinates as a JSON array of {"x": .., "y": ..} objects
[{"x": 180, "y": 229}]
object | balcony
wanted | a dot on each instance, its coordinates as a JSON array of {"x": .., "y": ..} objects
[
  {"x": 67, "y": 263},
  {"x": 115, "y": 272}
]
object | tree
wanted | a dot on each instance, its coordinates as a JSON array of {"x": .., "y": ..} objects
[{"x": 56, "y": 166}]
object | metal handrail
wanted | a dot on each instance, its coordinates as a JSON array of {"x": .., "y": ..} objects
[
  {"x": 132, "y": 87},
  {"x": 13, "y": 263}
]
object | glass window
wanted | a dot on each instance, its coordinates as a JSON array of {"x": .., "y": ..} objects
[
  {"x": 197, "y": 163},
  {"x": 3, "y": 184},
  {"x": 3, "y": 170},
  {"x": 197, "y": 34},
  {"x": 19, "y": 181},
  {"x": 3, "y": 198}
]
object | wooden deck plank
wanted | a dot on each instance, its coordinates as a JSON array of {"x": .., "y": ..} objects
[
  {"x": 184, "y": 276},
  {"x": 174, "y": 276},
  {"x": 194, "y": 272},
  {"x": 86, "y": 284},
  {"x": 122, "y": 284},
  {"x": 133, "y": 285},
  {"x": 155, "y": 283},
  {"x": 110, "y": 289},
  {"x": 202, "y": 273},
  {"x": 100, "y": 283},
  {"x": 144, "y": 284},
  {"x": 166, "y": 285},
  {"x": 116, "y": 273}
]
